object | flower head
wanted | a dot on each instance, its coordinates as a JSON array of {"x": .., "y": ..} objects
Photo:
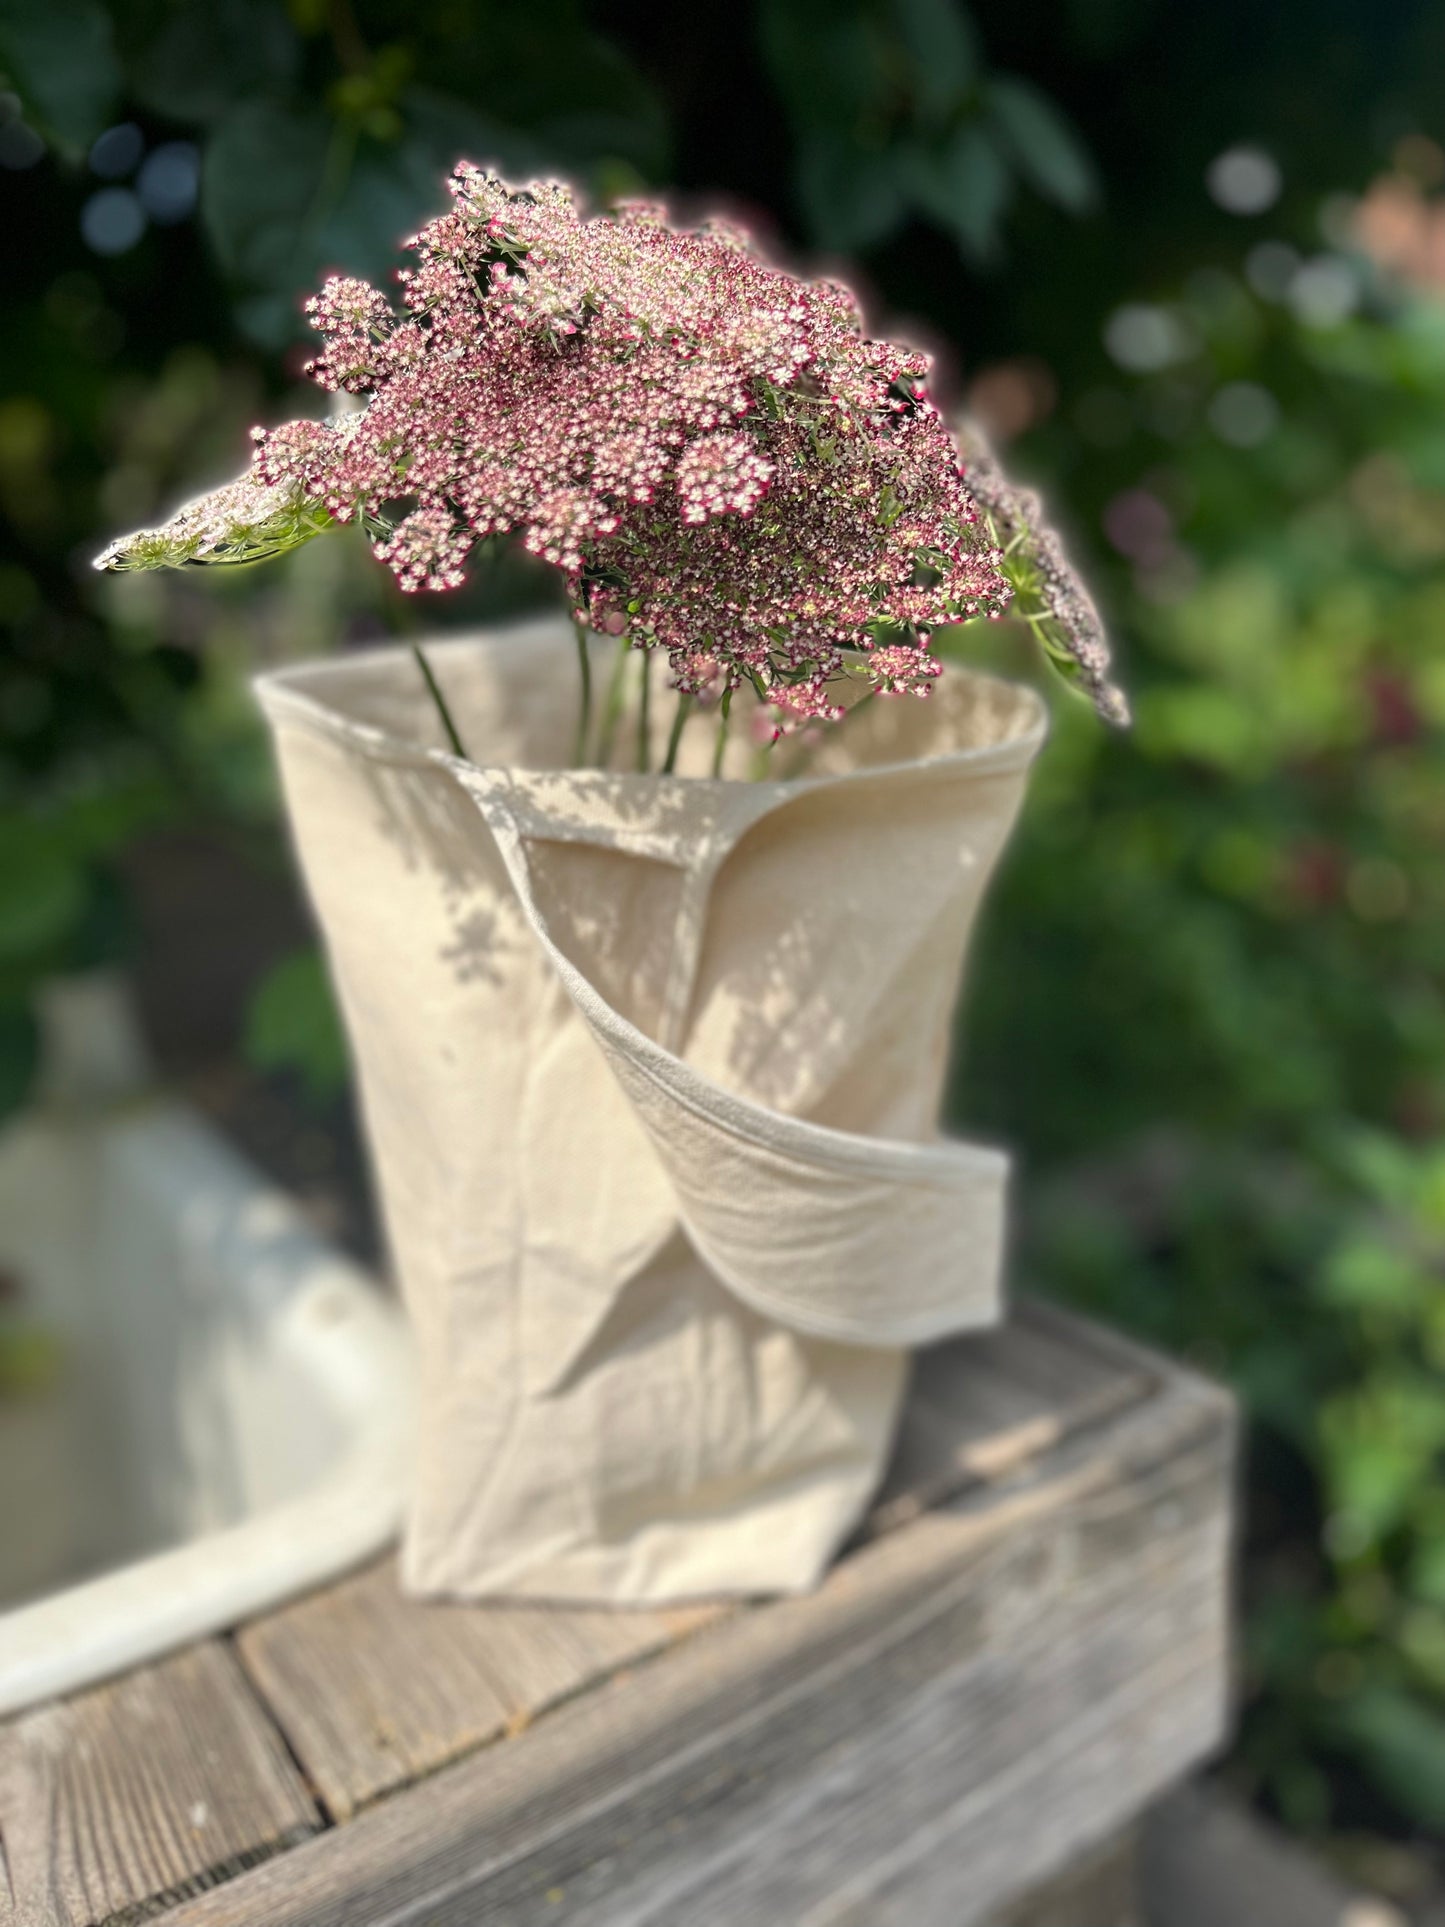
[
  {"x": 426, "y": 550},
  {"x": 721, "y": 475},
  {"x": 710, "y": 450}
]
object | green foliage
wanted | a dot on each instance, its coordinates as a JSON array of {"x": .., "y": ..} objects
[
  {"x": 1041, "y": 144},
  {"x": 30, "y": 1357},
  {"x": 896, "y": 116},
  {"x": 293, "y": 1026},
  {"x": 1213, "y": 1007},
  {"x": 42, "y": 891},
  {"x": 1402, "y": 1744},
  {"x": 19, "y": 1053},
  {"x": 62, "y": 56},
  {"x": 194, "y": 64},
  {"x": 59, "y": 908},
  {"x": 325, "y": 132}
]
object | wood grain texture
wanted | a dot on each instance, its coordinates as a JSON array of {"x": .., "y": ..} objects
[
  {"x": 980, "y": 1406},
  {"x": 375, "y": 1691},
  {"x": 967, "y": 1705},
  {"x": 152, "y": 1787}
]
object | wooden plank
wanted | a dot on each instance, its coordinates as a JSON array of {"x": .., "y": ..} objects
[
  {"x": 965, "y": 1706},
  {"x": 153, "y": 1786},
  {"x": 373, "y": 1691},
  {"x": 982, "y": 1405}
]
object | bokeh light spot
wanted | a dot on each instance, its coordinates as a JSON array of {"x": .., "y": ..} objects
[
  {"x": 1243, "y": 180},
  {"x": 1143, "y": 338},
  {"x": 112, "y": 221},
  {"x": 1243, "y": 414},
  {"x": 1009, "y": 397},
  {"x": 1325, "y": 292},
  {"x": 1140, "y": 526},
  {"x": 169, "y": 181}
]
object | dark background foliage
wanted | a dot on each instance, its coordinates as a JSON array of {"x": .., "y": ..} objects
[{"x": 1209, "y": 1008}]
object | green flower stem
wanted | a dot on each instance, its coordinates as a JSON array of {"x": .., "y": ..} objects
[
  {"x": 644, "y": 716},
  {"x": 584, "y": 709},
  {"x": 434, "y": 689},
  {"x": 724, "y": 709},
  {"x": 612, "y": 702},
  {"x": 684, "y": 704}
]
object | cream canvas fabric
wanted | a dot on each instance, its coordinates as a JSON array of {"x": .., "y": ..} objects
[{"x": 650, "y": 1069}]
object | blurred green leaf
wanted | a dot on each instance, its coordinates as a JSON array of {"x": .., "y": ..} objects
[
  {"x": 19, "y": 1056},
  {"x": 383, "y": 196},
  {"x": 441, "y": 130},
  {"x": 1402, "y": 1746},
  {"x": 851, "y": 198},
  {"x": 1104, "y": 27},
  {"x": 293, "y": 1025},
  {"x": 42, "y": 892},
  {"x": 1422, "y": 1642},
  {"x": 943, "y": 42},
  {"x": 1372, "y": 1274},
  {"x": 30, "y": 1358},
  {"x": 61, "y": 56},
  {"x": 888, "y": 112},
  {"x": 264, "y": 188},
  {"x": 1427, "y": 1568},
  {"x": 1383, "y": 1440},
  {"x": 289, "y": 193},
  {"x": 1047, "y": 151},
  {"x": 826, "y": 60},
  {"x": 197, "y": 59},
  {"x": 965, "y": 187}
]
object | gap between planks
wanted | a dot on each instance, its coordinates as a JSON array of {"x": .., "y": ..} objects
[{"x": 148, "y": 1789}]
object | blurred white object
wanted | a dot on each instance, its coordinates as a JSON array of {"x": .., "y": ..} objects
[
  {"x": 232, "y": 1416},
  {"x": 1244, "y": 180},
  {"x": 1325, "y": 292},
  {"x": 1243, "y": 414},
  {"x": 91, "y": 1050},
  {"x": 1144, "y": 338}
]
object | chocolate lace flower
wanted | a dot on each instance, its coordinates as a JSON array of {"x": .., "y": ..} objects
[{"x": 708, "y": 448}]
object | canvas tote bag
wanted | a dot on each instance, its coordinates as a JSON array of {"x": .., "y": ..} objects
[{"x": 650, "y": 1069}]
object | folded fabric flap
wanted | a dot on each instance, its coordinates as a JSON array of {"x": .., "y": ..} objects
[{"x": 865, "y": 1241}]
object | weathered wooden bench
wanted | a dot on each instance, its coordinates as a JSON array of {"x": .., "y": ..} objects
[{"x": 1027, "y": 1643}]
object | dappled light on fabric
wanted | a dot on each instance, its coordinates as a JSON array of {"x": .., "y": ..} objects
[{"x": 651, "y": 1069}]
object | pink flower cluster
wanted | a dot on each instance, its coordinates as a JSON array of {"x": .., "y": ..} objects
[{"x": 708, "y": 448}]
